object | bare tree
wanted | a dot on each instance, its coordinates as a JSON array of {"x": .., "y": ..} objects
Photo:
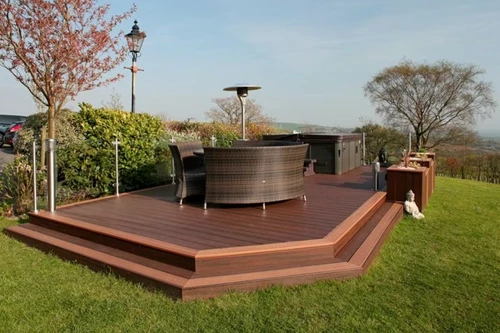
[
  {"x": 114, "y": 102},
  {"x": 438, "y": 101},
  {"x": 59, "y": 48},
  {"x": 228, "y": 111},
  {"x": 378, "y": 136}
]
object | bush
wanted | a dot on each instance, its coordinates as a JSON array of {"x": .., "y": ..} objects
[
  {"x": 16, "y": 185},
  {"x": 68, "y": 132},
  {"x": 90, "y": 164},
  {"x": 225, "y": 134}
]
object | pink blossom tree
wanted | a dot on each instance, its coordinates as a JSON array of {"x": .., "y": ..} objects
[{"x": 59, "y": 48}]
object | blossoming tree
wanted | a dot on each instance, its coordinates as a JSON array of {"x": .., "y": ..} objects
[{"x": 59, "y": 48}]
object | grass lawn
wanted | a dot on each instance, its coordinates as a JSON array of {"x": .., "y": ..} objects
[{"x": 438, "y": 274}]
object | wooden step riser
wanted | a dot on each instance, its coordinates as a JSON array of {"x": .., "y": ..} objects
[
  {"x": 207, "y": 289},
  {"x": 368, "y": 251},
  {"x": 166, "y": 257},
  {"x": 374, "y": 253},
  {"x": 174, "y": 292},
  {"x": 234, "y": 264},
  {"x": 356, "y": 224}
]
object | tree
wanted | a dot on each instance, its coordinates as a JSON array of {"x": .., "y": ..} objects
[
  {"x": 438, "y": 101},
  {"x": 377, "y": 137},
  {"x": 228, "y": 111},
  {"x": 59, "y": 48},
  {"x": 114, "y": 102}
]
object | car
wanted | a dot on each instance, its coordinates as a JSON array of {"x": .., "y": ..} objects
[
  {"x": 8, "y": 138},
  {"x": 5, "y": 121}
]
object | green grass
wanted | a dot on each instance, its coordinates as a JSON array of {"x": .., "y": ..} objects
[{"x": 438, "y": 274}]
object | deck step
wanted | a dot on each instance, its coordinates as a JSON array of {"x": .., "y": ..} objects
[
  {"x": 143, "y": 246},
  {"x": 97, "y": 260},
  {"x": 352, "y": 260},
  {"x": 155, "y": 264},
  {"x": 364, "y": 246},
  {"x": 343, "y": 233}
]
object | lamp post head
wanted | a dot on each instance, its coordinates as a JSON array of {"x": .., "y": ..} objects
[
  {"x": 242, "y": 89},
  {"x": 135, "y": 39}
]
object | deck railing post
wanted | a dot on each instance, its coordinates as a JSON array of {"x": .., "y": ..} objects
[
  {"x": 51, "y": 174},
  {"x": 117, "y": 176},
  {"x": 35, "y": 202},
  {"x": 172, "y": 175}
]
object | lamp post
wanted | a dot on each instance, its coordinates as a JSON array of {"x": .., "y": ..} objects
[
  {"x": 242, "y": 92},
  {"x": 135, "y": 38}
]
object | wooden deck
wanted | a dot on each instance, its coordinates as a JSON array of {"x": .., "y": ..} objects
[{"x": 190, "y": 253}]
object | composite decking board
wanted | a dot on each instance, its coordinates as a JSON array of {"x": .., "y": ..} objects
[
  {"x": 240, "y": 226},
  {"x": 350, "y": 248},
  {"x": 279, "y": 222},
  {"x": 192, "y": 237},
  {"x": 178, "y": 271},
  {"x": 156, "y": 227},
  {"x": 42, "y": 218}
]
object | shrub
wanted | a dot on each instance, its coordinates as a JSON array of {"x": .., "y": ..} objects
[
  {"x": 16, "y": 184},
  {"x": 68, "y": 132},
  {"x": 225, "y": 134},
  {"x": 90, "y": 164}
]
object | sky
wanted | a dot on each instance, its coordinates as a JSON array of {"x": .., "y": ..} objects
[{"x": 311, "y": 57}]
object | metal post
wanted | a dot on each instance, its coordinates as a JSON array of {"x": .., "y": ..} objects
[
  {"x": 117, "y": 184},
  {"x": 364, "y": 150},
  {"x": 51, "y": 175},
  {"x": 35, "y": 203},
  {"x": 243, "y": 102},
  {"x": 43, "y": 148},
  {"x": 134, "y": 70},
  {"x": 213, "y": 141},
  {"x": 173, "y": 164}
]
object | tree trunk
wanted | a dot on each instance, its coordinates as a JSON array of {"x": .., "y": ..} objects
[
  {"x": 52, "y": 122},
  {"x": 418, "y": 141}
]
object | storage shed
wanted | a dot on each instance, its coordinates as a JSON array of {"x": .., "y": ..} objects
[{"x": 335, "y": 153}]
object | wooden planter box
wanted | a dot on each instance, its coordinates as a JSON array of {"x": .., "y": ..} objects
[
  {"x": 431, "y": 164},
  {"x": 426, "y": 155},
  {"x": 401, "y": 180}
]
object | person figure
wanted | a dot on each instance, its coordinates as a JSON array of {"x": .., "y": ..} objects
[{"x": 411, "y": 207}]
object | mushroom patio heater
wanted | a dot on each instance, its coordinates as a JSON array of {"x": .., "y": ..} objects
[
  {"x": 135, "y": 39},
  {"x": 242, "y": 92}
]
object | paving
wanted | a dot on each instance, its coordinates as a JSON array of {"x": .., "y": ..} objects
[{"x": 6, "y": 154}]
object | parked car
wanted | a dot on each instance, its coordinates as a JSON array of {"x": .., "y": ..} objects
[
  {"x": 5, "y": 122},
  {"x": 8, "y": 138}
]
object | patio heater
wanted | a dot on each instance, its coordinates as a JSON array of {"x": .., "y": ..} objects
[{"x": 242, "y": 92}]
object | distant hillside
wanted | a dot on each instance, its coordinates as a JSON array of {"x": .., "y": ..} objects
[
  {"x": 489, "y": 133},
  {"x": 290, "y": 127}
]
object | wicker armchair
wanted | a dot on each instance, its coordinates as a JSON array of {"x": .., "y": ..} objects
[
  {"x": 245, "y": 175},
  {"x": 189, "y": 169}
]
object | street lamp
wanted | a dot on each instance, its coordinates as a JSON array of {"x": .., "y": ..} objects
[
  {"x": 135, "y": 38},
  {"x": 242, "y": 92}
]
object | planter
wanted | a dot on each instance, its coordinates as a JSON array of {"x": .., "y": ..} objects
[{"x": 401, "y": 180}]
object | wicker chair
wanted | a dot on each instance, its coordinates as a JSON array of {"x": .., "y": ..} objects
[
  {"x": 246, "y": 175},
  {"x": 189, "y": 169}
]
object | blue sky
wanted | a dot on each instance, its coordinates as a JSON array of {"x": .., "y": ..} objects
[{"x": 311, "y": 57}]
